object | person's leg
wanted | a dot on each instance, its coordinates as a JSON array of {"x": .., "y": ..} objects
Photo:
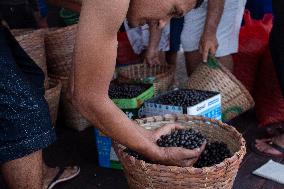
[
  {"x": 193, "y": 59},
  {"x": 24, "y": 173},
  {"x": 227, "y": 61},
  {"x": 175, "y": 41}
]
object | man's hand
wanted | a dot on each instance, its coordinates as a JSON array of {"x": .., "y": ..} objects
[
  {"x": 152, "y": 56},
  {"x": 173, "y": 156},
  {"x": 208, "y": 42},
  {"x": 208, "y": 45}
]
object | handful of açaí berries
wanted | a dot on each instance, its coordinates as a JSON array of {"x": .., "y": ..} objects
[
  {"x": 125, "y": 91},
  {"x": 214, "y": 152}
]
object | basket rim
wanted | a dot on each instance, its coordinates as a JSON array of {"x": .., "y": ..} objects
[
  {"x": 173, "y": 117},
  {"x": 31, "y": 33},
  {"x": 170, "y": 70},
  {"x": 53, "y": 31}
]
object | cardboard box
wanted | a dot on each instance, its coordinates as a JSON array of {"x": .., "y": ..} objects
[
  {"x": 107, "y": 157},
  {"x": 210, "y": 108}
]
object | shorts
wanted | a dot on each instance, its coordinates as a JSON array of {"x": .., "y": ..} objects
[
  {"x": 227, "y": 32},
  {"x": 175, "y": 33},
  {"x": 25, "y": 124}
]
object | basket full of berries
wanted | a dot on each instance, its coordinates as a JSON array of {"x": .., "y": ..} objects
[{"x": 217, "y": 166}]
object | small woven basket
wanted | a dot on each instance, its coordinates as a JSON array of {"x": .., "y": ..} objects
[
  {"x": 214, "y": 77},
  {"x": 162, "y": 76},
  {"x": 32, "y": 41},
  {"x": 52, "y": 96},
  {"x": 59, "y": 44},
  {"x": 141, "y": 175},
  {"x": 71, "y": 117}
]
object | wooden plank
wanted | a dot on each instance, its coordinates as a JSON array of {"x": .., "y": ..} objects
[{"x": 68, "y": 4}]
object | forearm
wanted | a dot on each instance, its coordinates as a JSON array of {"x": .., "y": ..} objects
[
  {"x": 155, "y": 36},
  {"x": 214, "y": 14},
  {"x": 105, "y": 115}
]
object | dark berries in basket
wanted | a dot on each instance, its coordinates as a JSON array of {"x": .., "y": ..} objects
[
  {"x": 185, "y": 138},
  {"x": 184, "y": 97},
  {"x": 125, "y": 91},
  {"x": 214, "y": 153}
]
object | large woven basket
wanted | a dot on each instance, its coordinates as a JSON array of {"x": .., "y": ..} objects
[
  {"x": 71, "y": 117},
  {"x": 162, "y": 76},
  {"x": 215, "y": 77},
  {"x": 52, "y": 96},
  {"x": 32, "y": 41},
  {"x": 59, "y": 44},
  {"x": 141, "y": 175}
]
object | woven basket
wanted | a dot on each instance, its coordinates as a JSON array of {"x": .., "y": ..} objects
[
  {"x": 141, "y": 175},
  {"x": 32, "y": 41},
  {"x": 162, "y": 76},
  {"x": 215, "y": 77},
  {"x": 52, "y": 96},
  {"x": 71, "y": 117},
  {"x": 59, "y": 44}
]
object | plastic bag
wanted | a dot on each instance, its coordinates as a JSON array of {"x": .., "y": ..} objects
[
  {"x": 254, "y": 37},
  {"x": 268, "y": 97}
]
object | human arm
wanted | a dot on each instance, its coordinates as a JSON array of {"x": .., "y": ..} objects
[
  {"x": 152, "y": 52},
  {"x": 208, "y": 42},
  {"x": 94, "y": 64}
]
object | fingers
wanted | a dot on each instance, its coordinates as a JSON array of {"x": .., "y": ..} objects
[
  {"x": 167, "y": 129},
  {"x": 205, "y": 51}
]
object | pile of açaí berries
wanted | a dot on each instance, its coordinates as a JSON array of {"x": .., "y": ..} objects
[
  {"x": 125, "y": 91},
  {"x": 214, "y": 153}
]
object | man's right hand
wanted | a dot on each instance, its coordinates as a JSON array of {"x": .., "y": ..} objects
[{"x": 172, "y": 156}]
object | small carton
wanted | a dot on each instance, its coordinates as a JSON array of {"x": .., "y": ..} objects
[{"x": 210, "y": 108}]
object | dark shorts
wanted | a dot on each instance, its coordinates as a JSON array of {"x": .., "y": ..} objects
[
  {"x": 25, "y": 124},
  {"x": 175, "y": 33}
]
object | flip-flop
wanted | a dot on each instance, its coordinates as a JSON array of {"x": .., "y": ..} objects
[
  {"x": 56, "y": 180},
  {"x": 273, "y": 145}
]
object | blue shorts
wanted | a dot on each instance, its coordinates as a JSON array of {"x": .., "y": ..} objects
[
  {"x": 175, "y": 33},
  {"x": 25, "y": 124}
]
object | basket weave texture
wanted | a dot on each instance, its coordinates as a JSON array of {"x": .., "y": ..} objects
[
  {"x": 52, "y": 96},
  {"x": 214, "y": 77},
  {"x": 32, "y": 41},
  {"x": 162, "y": 76},
  {"x": 141, "y": 175},
  {"x": 59, "y": 44},
  {"x": 70, "y": 115}
]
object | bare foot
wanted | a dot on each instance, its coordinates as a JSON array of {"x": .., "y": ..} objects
[
  {"x": 264, "y": 145},
  {"x": 63, "y": 175}
]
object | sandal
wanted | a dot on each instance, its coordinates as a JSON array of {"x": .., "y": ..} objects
[
  {"x": 272, "y": 145},
  {"x": 59, "y": 179}
]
